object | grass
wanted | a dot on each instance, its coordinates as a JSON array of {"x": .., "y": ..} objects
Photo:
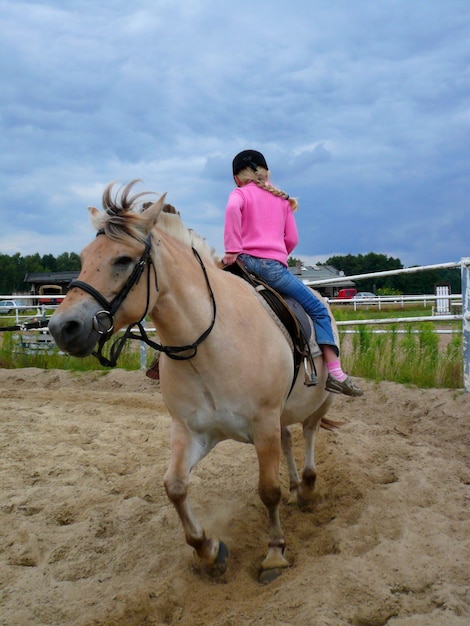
[
  {"x": 411, "y": 358},
  {"x": 346, "y": 313},
  {"x": 14, "y": 354}
]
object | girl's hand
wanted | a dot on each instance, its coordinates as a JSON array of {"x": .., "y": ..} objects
[{"x": 229, "y": 258}]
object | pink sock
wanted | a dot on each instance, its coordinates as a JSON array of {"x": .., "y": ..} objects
[{"x": 334, "y": 368}]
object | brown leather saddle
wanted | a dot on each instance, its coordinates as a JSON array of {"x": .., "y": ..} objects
[{"x": 291, "y": 315}]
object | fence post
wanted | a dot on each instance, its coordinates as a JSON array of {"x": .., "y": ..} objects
[
  {"x": 143, "y": 351},
  {"x": 465, "y": 269}
]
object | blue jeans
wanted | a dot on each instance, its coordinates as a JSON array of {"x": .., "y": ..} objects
[{"x": 277, "y": 276}]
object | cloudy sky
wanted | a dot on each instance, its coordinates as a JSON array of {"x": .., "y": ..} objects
[{"x": 362, "y": 109}]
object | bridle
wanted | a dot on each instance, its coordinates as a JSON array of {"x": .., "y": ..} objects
[{"x": 103, "y": 320}]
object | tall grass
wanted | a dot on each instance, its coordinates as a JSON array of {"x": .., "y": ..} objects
[
  {"x": 410, "y": 358},
  {"x": 13, "y": 354}
]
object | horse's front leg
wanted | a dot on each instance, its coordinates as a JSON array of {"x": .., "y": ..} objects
[
  {"x": 186, "y": 452},
  {"x": 268, "y": 449}
]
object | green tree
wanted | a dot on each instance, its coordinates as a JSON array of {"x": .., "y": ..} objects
[
  {"x": 33, "y": 263},
  {"x": 7, "y": 273},
  {"x": 413, "y": 283},
  {"x": 365, "y": 264},
  {"x": 13, "y": 269},
  {"x": 68, "y": 262},
  {"x": 49, "y": 263},
  {"x": 292, "y": 261}
]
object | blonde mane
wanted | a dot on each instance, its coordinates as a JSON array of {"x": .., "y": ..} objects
[
  {"x": 171, "y": 223},
  {"x": 122, "y": 219}
]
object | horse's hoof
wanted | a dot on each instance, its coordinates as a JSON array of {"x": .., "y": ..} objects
[
  {"x": 220, "y": 564},
  {"x": 305, "y": 506},
  {"x": 268, "y": 575}
]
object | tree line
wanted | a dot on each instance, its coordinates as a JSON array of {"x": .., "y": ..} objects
[
  {"x": 417, "y": 283},
  {"x": 13, "y": 270}
]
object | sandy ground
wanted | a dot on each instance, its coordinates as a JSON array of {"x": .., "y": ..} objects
[{"x": 88, "y": 537}]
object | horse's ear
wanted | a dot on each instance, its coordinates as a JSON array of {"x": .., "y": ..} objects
[
  {"x": 94, "y": 214},
  {"x": 151, "y": 213}
]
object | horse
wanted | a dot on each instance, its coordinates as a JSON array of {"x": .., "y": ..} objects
[{"x": 226, "y": 367}]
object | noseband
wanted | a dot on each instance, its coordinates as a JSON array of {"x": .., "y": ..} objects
[{"x": 103, "y": 320}]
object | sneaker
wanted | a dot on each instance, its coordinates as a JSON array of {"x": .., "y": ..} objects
[{"x": 347, "y": 386}]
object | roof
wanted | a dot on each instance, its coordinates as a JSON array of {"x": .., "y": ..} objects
[
  {"x": 50, "y": 278},
  {"x": 310, "y": 274}
]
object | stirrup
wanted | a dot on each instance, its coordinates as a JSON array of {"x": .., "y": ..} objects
[{"x": 310, "y": 379}]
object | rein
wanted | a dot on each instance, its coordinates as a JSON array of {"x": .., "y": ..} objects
[
  {"x": 26, "y": 326},
  {"x": 103, "y": 321}
]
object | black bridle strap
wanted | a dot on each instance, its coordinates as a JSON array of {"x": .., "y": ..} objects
[
  {"x": 93, "y": 292},
  {"x": 110, "y": 308},
  {"x": 26, "y": 326},
  {"x": 119, "y": 343},
  {"x": 174, "y": 352},
  {"x": 113, "y": 306}
]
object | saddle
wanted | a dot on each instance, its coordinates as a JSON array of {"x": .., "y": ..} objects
[{"x": 292, "y": 316}]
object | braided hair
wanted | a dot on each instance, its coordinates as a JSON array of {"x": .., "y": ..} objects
[{"x": 261, "y": 179}]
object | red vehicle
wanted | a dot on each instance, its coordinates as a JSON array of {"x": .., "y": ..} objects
[
  {"x": 47, "y": 293},
  {"x": 346, "y": 294}
]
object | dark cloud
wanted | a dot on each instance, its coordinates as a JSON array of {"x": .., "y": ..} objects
[{"x": 362, "y": 111}]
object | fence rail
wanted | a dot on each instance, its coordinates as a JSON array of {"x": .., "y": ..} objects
[{"x": 464, "y": 265}]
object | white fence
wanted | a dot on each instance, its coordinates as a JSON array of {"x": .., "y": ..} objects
[
  {"x": 464, "y": 265},
  {"x": 463, "y": 300},
  {"x": 443, "y": 304}
]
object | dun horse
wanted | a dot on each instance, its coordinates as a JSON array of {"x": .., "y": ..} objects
[{"x": 227, "y": 367}]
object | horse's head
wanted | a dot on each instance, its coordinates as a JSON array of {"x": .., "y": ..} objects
[{"x": 117, "y": 263}]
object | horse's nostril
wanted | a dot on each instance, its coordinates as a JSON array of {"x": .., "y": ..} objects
[{"x": 71, "y": 329}]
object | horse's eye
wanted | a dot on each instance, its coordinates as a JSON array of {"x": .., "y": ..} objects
[{"x": 123, "y": 261}]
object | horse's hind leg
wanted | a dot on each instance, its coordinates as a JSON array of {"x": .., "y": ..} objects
[
  {"x": 306, "y": 489},
  {"x": 305, "y": 492},
  {"x": 294, "y": 478},
  {"x": 185, "y": 454},
  {"x": 268, "y": 449}
]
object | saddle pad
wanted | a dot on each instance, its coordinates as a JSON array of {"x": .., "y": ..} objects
[
  {"x": 306, "y": 324},
  {"x": 301, "y": 316},
  {"x": 285, "y": 311}
]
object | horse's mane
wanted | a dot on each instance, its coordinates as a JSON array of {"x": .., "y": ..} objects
[
  {"x": 170, "y": 222},
  {"x": 123, "y": 218}
]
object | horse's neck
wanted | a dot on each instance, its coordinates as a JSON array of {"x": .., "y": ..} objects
[{"x": 184, "y": 307}]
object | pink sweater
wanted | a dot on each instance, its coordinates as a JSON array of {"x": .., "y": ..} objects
[{"x": 260, "y": 224}]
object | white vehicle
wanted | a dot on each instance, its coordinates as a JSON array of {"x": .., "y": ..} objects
[{"x": 9, "y": 306}]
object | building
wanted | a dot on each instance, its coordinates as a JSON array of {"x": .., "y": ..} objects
[
  {"x": 310, "y": 274},
  {"x": 36, "y": 280}
]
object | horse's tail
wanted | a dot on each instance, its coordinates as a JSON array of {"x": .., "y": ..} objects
[{"x": 330, "y": 424}]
